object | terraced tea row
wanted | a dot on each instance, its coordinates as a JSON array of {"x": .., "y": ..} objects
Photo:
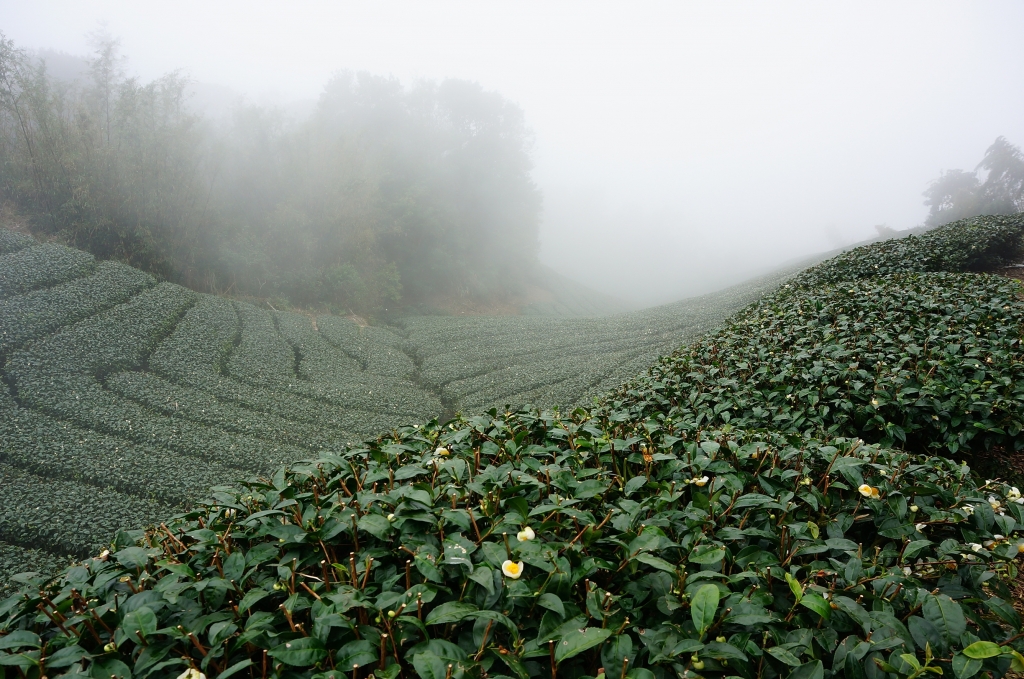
[
  {"x": 41, "y": 312},
  {"x": 139, "y": 392},
  {"x": 923, "y": 359},
  {"x": 475, "y": 363},
  {"x": 752, "y": 472}
]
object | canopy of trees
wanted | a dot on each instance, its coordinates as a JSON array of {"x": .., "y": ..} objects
[
  {"x": 957, "y": 194},
  {"x": 385, "y": 195}
]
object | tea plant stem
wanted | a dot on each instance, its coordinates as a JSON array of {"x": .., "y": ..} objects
[{"x": 483, "y": 642}]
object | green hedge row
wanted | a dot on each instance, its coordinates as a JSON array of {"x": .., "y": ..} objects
[
  {"x": 117, "y": 339},
  {"x": 262, "y": 357},
  {"x": 42, "y": 312},
  {"x": 378, "y": 351},
  {"x": 12, "y": 241},
  {"x": 478, "y": 362},
  {"x": 200, "y": 343},
  {"x": 186, "y": 403},
  {"x": 54, "y": 449},
  {"x": 364, "y": 382},
  {"x": 60, "y": 376},
  {"x": 17, "y": 562},
  {"x": 67, "y": 517},
  {"x": 40, "y": 266},
  {"x": 974, "y": 244},
  {"x": 196, "y": 355}
]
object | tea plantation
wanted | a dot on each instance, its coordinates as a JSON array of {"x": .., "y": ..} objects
[
  {"x": 785, "y": 497},
  {"x": 135, "y": 398}
]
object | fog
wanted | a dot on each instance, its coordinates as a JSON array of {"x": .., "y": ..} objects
[{"x": 678, "y": 147}]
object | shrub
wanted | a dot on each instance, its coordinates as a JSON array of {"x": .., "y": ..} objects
[
  {"x": 656, "y": 552},
  {"x": 930, "y": 361},
  {"x": 40, "y": 266},
  {"x": 12, "y": 241},
  {"x": 974, "y": 244},
  {"x": 41, "y": 312}
]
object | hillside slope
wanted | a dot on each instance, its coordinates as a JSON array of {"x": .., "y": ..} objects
[
  {"x": 135, "y": 397},
  {"x": 778, "y": 499}
]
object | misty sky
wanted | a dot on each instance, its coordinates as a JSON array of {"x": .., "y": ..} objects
[{"x": 679, "y": 146}]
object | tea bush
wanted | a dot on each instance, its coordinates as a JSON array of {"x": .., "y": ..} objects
[
  {"x": 50, "y": 448},
  {"x": 40, "y": 266},
  {"x": 27, "y": 562},
  {"x": 262, "y": 356},
  {"x": 378, "y": 351},
  {"x": 477, "y": 362},
  {"x": 62, "y": 376},
  {"x": 200, "y": 343},
  {"x": 34, "y": 512},
  {"x": 930, "y": 361},
  {"x": 41, "y": 312},
  {"x": 974, "y": 244},
  {"x": 505, "y": 543},
  {"x": 360, "y": 368},
  {"x": 172, "y": 400},
  {"x": 12, "y": 241}
]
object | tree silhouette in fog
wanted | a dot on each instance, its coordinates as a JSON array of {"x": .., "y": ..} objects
[
  {"x": 957, "y": 193},
  {"x": 385, "y": 194}
]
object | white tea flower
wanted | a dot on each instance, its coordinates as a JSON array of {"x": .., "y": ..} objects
[{"x": 512, "y": 569}]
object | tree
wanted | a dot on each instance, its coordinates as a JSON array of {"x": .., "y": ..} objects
[
  {"x": 953, "y": 196},
  {"x": 385, "y": 194},
  {"x": 957, "y": 193},
  {"x": 1003, "y": 190}
]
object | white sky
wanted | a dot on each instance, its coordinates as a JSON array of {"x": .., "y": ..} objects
[{"x": 680, "y": 146}]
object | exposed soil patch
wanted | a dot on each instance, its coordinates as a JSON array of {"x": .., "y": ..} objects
[{"x": 1016, "y": 271}]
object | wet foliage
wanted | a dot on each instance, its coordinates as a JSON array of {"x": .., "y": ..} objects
[
  {"x": 652, "y": 550},
  {"x": 135, "y": 398},
  {"x": 777, "y": 500}
]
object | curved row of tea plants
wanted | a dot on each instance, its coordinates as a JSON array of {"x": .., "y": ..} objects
[
  {"x": 973, "y": 244},
  {"x": 42, "y": 312},
  {"x": 47, "y": 264},
  {"x": 152, "y": 393},
  {"x": 927, "y": 361},
  {"x": 649, "y": 537},
  {"x": 475, "y": 362},
  {"x": 33, "y": 509},
  {"x": 12, "y": 241},
  {"x": 49, "y": 448}
]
